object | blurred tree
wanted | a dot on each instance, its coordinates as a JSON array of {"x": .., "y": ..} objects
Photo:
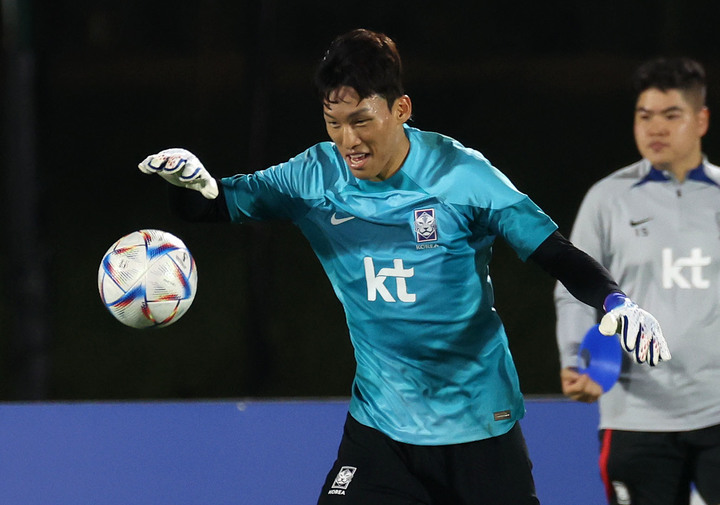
[{"x": 25, "y": 269}]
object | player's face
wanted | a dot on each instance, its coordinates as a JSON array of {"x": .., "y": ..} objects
[
  {"x": 368, "y": 133},
  {"x": 668, "y": 130}
]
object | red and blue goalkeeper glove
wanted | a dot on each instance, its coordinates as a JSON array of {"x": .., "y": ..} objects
[
  {"x": 181, "y": 168},
  {"x": 640, "y": 333}
]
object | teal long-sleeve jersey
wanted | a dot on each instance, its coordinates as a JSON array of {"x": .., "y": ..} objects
[{"x": 408, "y": 259}]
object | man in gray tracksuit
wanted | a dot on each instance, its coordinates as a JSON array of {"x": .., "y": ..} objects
[{"x": 655, "y": 225}]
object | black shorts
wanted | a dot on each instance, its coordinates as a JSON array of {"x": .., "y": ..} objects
[
  {"x": 658, "y": 468},
  {"x": 371, "y": 468}
]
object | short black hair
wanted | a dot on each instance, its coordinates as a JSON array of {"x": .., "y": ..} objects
[
  {"x": 684, "y": 74},
  {"x": 364, "y": 60}
]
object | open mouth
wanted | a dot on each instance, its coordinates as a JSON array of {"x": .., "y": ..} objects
[{"x": 356, "y": 161}]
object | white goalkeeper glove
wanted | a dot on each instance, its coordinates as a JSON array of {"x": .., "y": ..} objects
[
  {"x": 181, "y": 168},
  {"x": 640, "y": 333}
]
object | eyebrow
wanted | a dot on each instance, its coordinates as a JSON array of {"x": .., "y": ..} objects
[
  {"x": 353, "y": 115},
  {"x": 674, "y": 108}
]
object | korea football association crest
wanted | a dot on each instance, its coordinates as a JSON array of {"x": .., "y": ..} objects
[
  {"x": 342, "y": 480},
  {"x": 425, "y": 226}
]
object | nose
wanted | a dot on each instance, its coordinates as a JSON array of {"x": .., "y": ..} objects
[
  {"x": 657, "y": 126},
  {"x": 349, "y": 137}
]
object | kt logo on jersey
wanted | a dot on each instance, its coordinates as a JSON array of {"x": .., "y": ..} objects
[{"x": 425, "y": 226}]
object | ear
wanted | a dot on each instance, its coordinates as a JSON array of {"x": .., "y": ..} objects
[
  {"x": 703, "y": 121},
  {"x": 402, "y": 109}
]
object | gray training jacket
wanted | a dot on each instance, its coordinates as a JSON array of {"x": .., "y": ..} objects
[{"x": 660, "y": 239}]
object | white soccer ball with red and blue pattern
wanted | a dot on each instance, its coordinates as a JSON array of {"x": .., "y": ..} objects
[{"x": 148, "y": 278}]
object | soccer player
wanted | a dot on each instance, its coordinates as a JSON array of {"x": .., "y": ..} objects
[
  {"x": 656, "y": 226},
  {"x": 403, "y": 222}
]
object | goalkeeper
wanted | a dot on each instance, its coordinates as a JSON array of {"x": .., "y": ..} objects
[
  {"x": 655, "y": 225},
  {"x": 403, "y": 223}
]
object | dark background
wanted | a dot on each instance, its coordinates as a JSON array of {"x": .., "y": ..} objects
[{"x": 92, "y": 87}]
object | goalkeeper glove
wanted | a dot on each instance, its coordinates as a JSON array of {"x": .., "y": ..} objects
[
  {"x": 181, "y": 168},
  {"x": 640, "y": 333}
]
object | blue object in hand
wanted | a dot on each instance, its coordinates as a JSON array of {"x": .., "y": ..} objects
[{"x": 600, "y": 356}]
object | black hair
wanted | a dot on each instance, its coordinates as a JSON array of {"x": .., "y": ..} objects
[
  {"x": 683, "y": 74},
  {"x": 364, "y": 60}
]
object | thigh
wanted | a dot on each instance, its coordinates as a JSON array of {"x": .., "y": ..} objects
[
  {"x": 373, "y": 469},
  {"x": 706, "y": 462},
  {"x": 370, "y": 469},
  {"x": 495, "y": 471},
  {"x": 644, "y": 468}
]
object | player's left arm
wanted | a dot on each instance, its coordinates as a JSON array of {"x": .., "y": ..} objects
[{"x": 588, "y": 281}]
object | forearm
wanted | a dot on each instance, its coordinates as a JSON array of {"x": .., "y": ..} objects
[
  {"x": 573, "y": 318},
  {"x": 191, "y": 205},
  {"x": 591, "y": 283},
  {"x": 585, "y": 278}
]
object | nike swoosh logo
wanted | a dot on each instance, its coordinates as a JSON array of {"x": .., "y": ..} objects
[
  {"x": 334, "y": 220},
  {"x": 642, "y": 221}
]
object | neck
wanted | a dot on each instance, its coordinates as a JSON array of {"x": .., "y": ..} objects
[
  {"x": 680, "y": 172},
  {"x": 397, "y": 161}
]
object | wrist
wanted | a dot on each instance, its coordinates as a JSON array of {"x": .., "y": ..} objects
[{"x": 613, "y": 300}]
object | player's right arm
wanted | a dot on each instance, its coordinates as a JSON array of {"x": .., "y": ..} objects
[
  {"x": 181, "y": 168},
  {"x": 194, "y": 195},
  {"x": 278, "y": 192}
]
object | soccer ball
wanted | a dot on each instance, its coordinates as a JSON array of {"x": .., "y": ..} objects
[{"x": 148, "y": 278}]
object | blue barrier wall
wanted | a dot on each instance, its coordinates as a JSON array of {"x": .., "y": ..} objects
[{"x": 254, "y": 453}]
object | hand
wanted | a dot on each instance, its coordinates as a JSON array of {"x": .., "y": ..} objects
[
  {"x": 181, "y": 168},
  {"x": 579, "y": 387},
  {"x": 640, "y": 333}
]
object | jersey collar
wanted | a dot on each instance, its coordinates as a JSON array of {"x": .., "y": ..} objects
[{"x": 696, "y": 174}]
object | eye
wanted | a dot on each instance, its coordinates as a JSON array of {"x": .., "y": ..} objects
[
  {"x": 362, "y": 122},
  {"x": 332, "y": 124},
  {"x": 672, "y": 115}
]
